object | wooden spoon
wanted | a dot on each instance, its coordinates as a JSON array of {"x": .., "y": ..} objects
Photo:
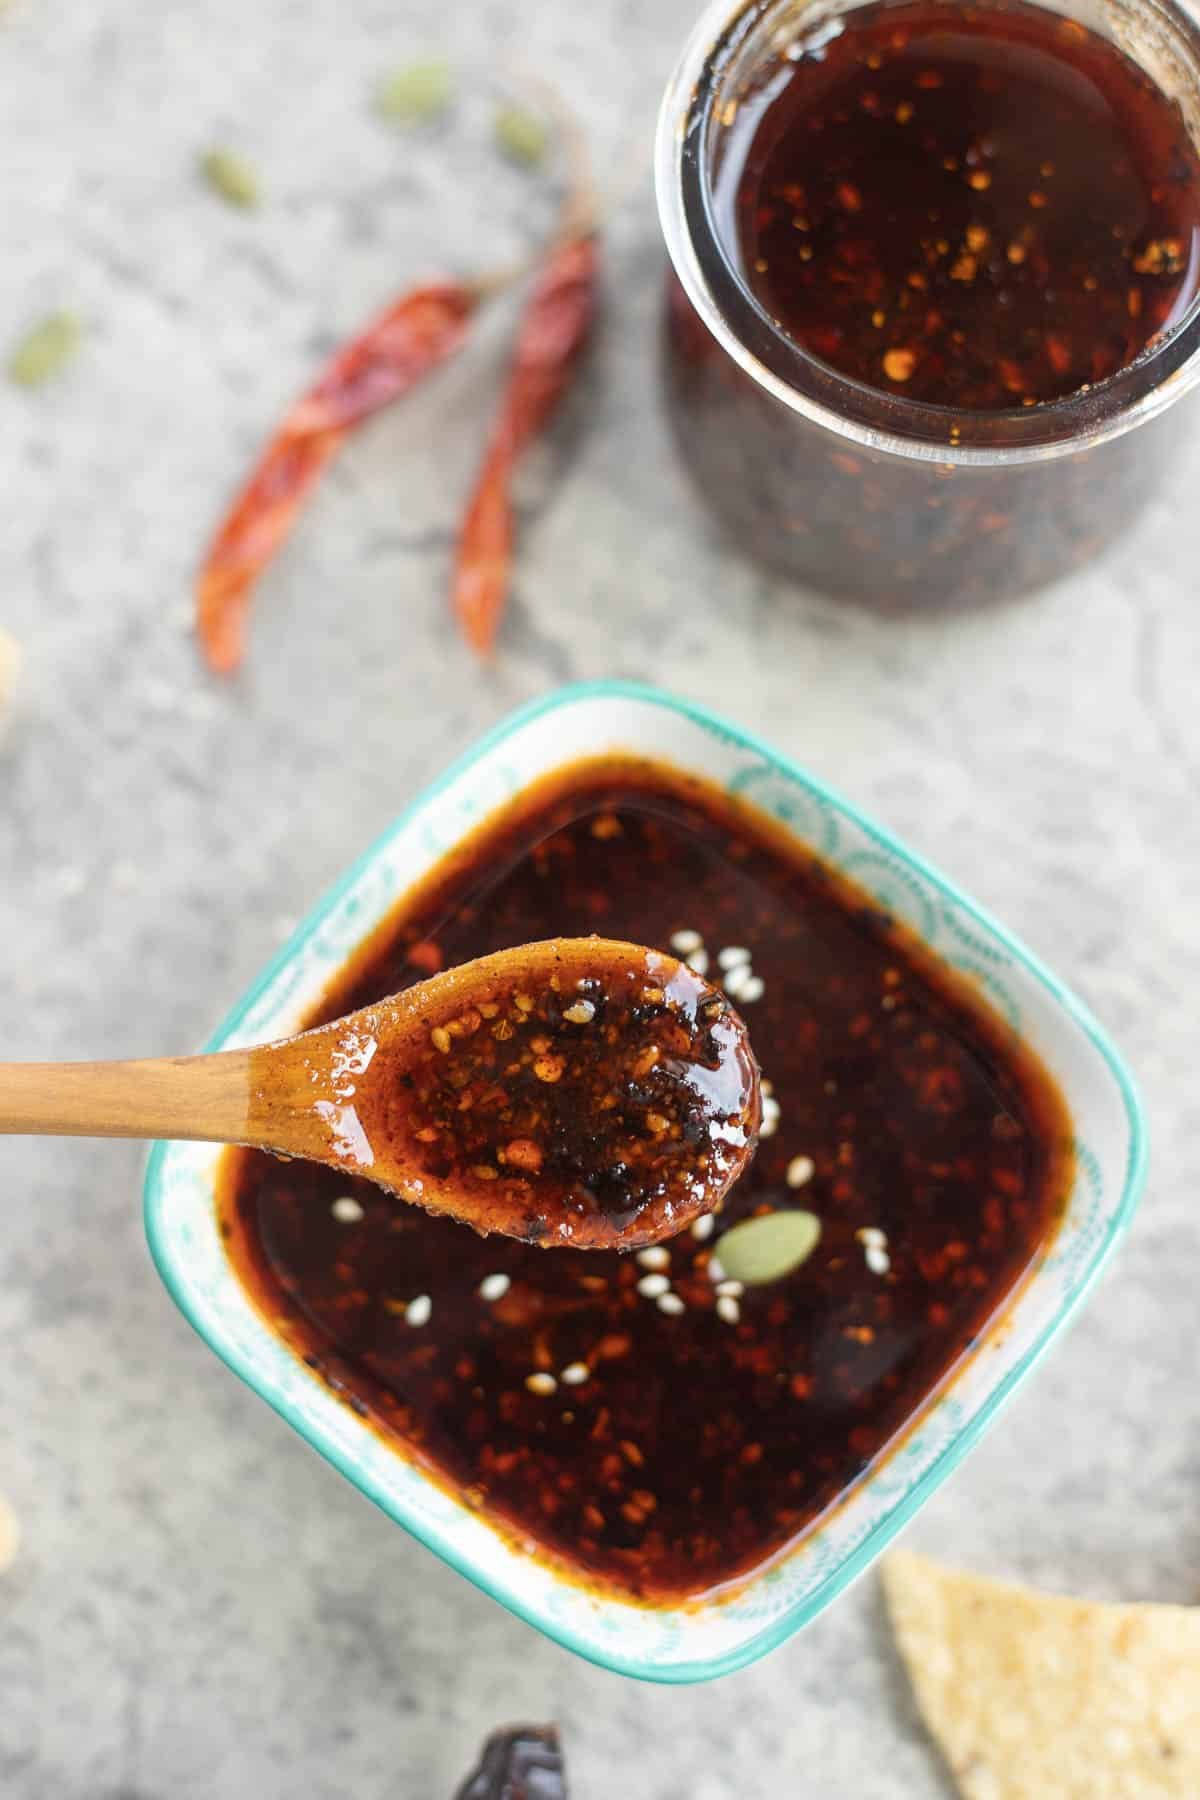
[{"x": 581, "y": 1092}]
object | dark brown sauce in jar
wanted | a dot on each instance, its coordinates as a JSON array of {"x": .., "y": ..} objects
[
  {"x": 934, "y": 295},
  {"x": 640, "y": 1420},
  {"x": 980, "y": 206}
]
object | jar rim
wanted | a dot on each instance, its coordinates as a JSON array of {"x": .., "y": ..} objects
[{"x": 866, "y": 416}]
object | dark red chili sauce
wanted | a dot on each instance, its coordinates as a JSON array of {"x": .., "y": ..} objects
[
  {"x": 978, "y": 206},
  {"x": 618, "y": 1413}
]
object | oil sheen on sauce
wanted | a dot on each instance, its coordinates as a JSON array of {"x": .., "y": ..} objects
[
  {"x": 632, "y": 1418},
  {"x": 979, "y": 207}
]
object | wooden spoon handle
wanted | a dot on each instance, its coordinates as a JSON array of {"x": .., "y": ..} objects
[{"x": 206, "y": 1097}]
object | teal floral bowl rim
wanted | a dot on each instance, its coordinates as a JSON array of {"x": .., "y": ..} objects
[{"x": 583, "y": 1623}]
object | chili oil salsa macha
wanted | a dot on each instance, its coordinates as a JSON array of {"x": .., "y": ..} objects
[
  {"x": 657, "y": 1424},
  {"x": 979, "y": 206}
]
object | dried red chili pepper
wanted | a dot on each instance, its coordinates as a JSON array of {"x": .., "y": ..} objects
[
  {"x": 553, "y": 334},
  {"x": 404, "y": 343}
]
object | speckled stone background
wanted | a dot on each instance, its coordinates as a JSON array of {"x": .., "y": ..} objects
[{"x": 203, "y": 1610}]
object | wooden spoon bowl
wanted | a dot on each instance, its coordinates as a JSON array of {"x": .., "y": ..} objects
[{"x": 580, "y": 1092}]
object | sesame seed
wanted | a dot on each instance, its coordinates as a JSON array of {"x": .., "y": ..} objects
[
  {"x": 651, "y": 1286},
  {"x": 540, "y": 1382},
  {"x": 670, "y": 1303},
  {"x": 737, "y": 979},
  {"x": 871, "y": 1235},
  {"x": 728, "y": 1309},
  {"x": 753, "y": 988},
  {"x": 732, "y": 955},
  {"x": 419, "y": 1311},
  {"x": 734, "y": 1289},
  {"x": 582, "y": 1013},
  {"x": 768, "y": 1087},
  {"x": 686, "y": 941},
  {"x": 716, "y": 1272},
  {"x": 346, "y": 1210},
  {"x": 877, "y": 1260},
  {"x": 494, "y": 1287},
  {"x": 575, "y": 1374},
  {"x": 655, "y": 1257},
  {"x": 703, "y": 1226},
  {"x": 697, "y": 961},
  {"x": 800, "y": 1171},
  {"x": 770, "y": 1120}
]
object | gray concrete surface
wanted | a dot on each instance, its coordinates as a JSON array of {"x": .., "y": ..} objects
[{"x": 202, "y": 1608}]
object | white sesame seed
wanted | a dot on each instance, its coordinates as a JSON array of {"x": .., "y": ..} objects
[
  {"x": 800, "y": 1171},
  {"x": 703, "y": 1227},
  {"x": 716, "y": 1274},
  {"x": 582, "y": 1013},
  {"x": 877, "y": 1260},
  {"x": 655, "y": 1257},
  {"x": 738, "y": 979},
  {"x": 684, "y": 942},
  {"x": 494, "y": 1287},
  {"x": 418, "y": 1311},
  {"x": 732, "y": 955},
  {"x": 670, "y": 1303},
  {"x": 734, "y": 1289},
  {"x": 769, "y": 1124},
  {"x": 871, "y": 1234},
  {"x": 768, "y": 1087},
  {"x": 540, "y": 1382},
  {"x": 651, "y": 1286},
  {"x": 346, "y": 1210},
  {"x": 728, "y": 1309},
  {"x": 575, "y": 1374},
  {"x": 753, "y": 988},
  {"x": 697, "y": 961}
]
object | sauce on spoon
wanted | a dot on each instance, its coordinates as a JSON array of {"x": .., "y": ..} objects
[
  {"x": 580, "y": 1092},
  {"x": 576, "y": 1092}
]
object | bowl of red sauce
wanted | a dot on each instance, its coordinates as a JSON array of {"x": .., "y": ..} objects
[{"x": 666, "y": 1463}]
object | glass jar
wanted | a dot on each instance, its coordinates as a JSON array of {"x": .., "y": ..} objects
[{"x": 865, "y": 493}]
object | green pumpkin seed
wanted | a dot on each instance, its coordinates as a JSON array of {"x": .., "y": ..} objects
[
  {"x": 231, "y": 176},
  {"x": 769, "y": 1247},
  {"x": 416, "y": 94},
  {"x": 521, "y": 135},
  {"x": 45, "y": 349}
]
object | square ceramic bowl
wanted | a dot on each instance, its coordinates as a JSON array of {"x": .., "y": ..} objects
[{"x": 709, "y": 1638}]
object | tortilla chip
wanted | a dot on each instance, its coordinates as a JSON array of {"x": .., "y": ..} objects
[{"x": 1036, "y": 1697}]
